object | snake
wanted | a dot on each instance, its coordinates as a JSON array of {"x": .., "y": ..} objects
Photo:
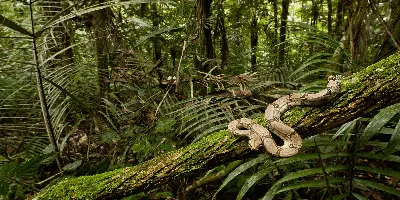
[{"x": 292, "y": 141}]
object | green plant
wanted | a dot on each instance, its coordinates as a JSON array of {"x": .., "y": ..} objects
[{"x": 16, "y": 178}]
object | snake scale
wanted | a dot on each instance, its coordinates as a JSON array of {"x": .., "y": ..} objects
[{"x": 292, "y": 142}]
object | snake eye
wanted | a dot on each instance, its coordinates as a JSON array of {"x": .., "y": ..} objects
[
  {"x": 303, "y": 96},
  {"x": 328, "y": 91}
]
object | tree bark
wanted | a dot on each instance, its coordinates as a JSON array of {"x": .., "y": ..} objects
[
  {"x": 329, "y": 2},
  {"x": 364, "y": 92},
  {"x": 102, "y": 27},
  {"x": 203, "y": 19},
  {"x": 155, "y": 18},
  {"x": 253, "y": 41},
  {"x": 315, "y": 13},
  {"x": 356, "y": 28},
  {"x": 283, "y": 29},
  {"x": 339, "y": 20},
  {"x": 222, "y": 31},
  {"x": 275, "y": 37}
]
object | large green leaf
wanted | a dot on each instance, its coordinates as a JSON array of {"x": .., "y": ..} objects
[{"x": 378, "y": 122}]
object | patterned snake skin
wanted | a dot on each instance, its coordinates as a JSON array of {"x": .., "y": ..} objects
[{"x": 292, "y": 141}]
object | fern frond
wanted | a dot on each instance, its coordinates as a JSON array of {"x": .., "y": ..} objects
[{"x": 243, "y": 167}]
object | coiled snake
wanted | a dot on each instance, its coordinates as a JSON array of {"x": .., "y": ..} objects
[{"x": 292, "y": 141}]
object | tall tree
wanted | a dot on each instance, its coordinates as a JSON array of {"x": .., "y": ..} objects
[
  {"x": 274, "y": 41},
  {"x": 103, "y": 30},
  {"x": 254, "y": 34},
  {"x": 339, "y": 20},
  {"x": 329, "y": 2},
  {"x": 315, "y": 12},
  {"x": 356, "y": 27},
  {"x": 155, "y": 18},
  {"x": 221, "y": 31},
  {"x": 282, "y": 33},
  {"x": 203, "y": 16}
]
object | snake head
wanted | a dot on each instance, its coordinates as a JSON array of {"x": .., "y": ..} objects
[
  {"x": 334, "y": 83},
  {"x": 335, "y": 77}
]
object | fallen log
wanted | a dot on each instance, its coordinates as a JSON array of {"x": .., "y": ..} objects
[{"x": 366, "y": 91}]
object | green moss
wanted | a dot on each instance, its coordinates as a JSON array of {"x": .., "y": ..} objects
[{"x": 84, "y": 187}]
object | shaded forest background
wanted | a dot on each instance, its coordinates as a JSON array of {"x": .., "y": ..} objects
[{"x": 91, "y": 86}]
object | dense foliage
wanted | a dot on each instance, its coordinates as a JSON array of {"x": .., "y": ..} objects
[{"x": 91, "y": 86}]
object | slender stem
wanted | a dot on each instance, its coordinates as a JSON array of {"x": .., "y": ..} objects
[
  {"x": 326, "y": 175},
  {"x": 395, "y": 43},
  {"x": 179, "y": 67},
  {"x": 42, "y": 96}
]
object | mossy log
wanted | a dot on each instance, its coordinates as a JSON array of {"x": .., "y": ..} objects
[{"x": 367, "y": 91}]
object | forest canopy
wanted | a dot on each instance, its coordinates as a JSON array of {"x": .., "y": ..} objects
[{"x": 97, "y": 90}]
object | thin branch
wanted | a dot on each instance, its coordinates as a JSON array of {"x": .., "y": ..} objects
[{"x": 395, "y": 43}]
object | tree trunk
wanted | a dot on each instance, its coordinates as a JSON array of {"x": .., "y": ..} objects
[
  {"x": 173, "y": 53},
  {"x": 222, "y": 31},
  {"x": 275, "y": 38},
  {"x": 329, "y": 2},
  {"x": 203, "y": 20},
  {"x": 102, "y": 29},
  {"x": 283, "y": 29},
  {"x": 315, "y": 13},
  {"x": 155, "y": 18},
  {"x": 339, "y": 20},
  {"x": 355, "y": 28},
  {"x": 352, "y": 39},
  {"x": 365, "y": 92},
  {"x": 253, "y": 41}
]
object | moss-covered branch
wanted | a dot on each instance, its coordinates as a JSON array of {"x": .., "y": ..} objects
[
  {"x": 363, "y": 92},
  {"x": 369, "y": 90}
]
